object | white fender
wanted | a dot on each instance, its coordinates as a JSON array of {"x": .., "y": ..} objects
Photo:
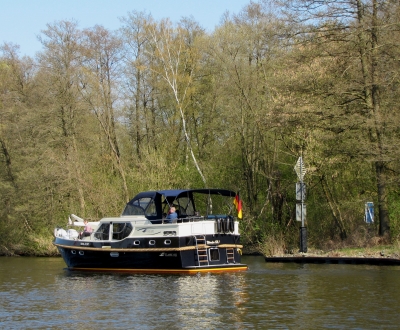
[
  {"x": 59, "y": 232},
  {"x": 72, "y": 233}
]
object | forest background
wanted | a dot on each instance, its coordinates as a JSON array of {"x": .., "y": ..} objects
[{"x": 98, "y": 116}]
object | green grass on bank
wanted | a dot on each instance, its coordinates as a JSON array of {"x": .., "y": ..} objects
[
  {"x": 379, "y": 251},
  {"x": 372, "y": 248},
  {"x": 373, "y": 251}
]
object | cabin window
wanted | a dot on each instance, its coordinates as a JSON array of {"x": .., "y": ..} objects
[
  {"x": 103, "y": 232},
  {"x": 121, "y": 230},
  {"x": 214, "y": 254}
]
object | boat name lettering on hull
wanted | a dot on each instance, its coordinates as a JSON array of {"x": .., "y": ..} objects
[
  {"x": 148, "y": 231},
  {"x": 168, "y": 254},
  {"x": 170, "y": 233},
  {"x": 216, "y": 242}
]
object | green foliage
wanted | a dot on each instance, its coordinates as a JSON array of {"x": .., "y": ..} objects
[
  {"x": 97, "y": 119},
  {"x": 394, "y": 207}
]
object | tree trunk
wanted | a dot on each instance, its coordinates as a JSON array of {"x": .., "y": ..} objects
[
  {"x": 334, "y": 209},
  {"x": 369, "y": 64}
]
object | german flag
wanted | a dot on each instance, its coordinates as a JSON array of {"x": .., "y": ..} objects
[{"x": 238, "y": 203}]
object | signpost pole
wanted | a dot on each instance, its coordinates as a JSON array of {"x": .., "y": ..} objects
[{"x": 300, "y": 192}]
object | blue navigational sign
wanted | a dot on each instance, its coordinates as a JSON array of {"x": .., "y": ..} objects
[{"x": 369, "y": 212}]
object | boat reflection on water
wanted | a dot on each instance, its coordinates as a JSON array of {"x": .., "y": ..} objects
[
  {"x": 189, "y": 301},
  {"x": 206, "y": 297}
]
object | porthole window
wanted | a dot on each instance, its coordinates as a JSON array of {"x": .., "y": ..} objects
[
  {"x": 137, "y": 242},
  {"x": 73, "y": 251},
  {"x": 167, "y": 242},
  {"x": 152, "y": 242},
  {"x": 81, "y": 253}
]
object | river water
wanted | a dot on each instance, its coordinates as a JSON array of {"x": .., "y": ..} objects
[{"x": 38, "y": 293}]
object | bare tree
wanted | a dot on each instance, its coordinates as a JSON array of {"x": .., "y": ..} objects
[
  {"x": 176, "y": 62},
  {"x": 59, "y": 65},
  {"x": 98, "y": 86},
  {"x": 138, "y": 91}
]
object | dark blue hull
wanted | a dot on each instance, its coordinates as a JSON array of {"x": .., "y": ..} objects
[{"x": 181, "y": 255}]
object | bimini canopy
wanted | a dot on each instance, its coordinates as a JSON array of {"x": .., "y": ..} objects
[{"x": 188, "y": 202}]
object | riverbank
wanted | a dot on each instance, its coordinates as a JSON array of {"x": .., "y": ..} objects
[
  {"x": 377, "y": 255},
  {"x": 46, "y": 249},
  {"x": 304, "y": 259},
  {"x": 386, "y": 251}
]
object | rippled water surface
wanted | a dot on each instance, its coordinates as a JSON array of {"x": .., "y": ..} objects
[{"x": 38, "y": 293}]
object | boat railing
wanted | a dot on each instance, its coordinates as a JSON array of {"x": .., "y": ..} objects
[
  {"x": 210, "y": 217},
  {"x": 178, "y": 220},
  {"x": 190, "y": 219}
]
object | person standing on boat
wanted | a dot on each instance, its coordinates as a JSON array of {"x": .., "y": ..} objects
[
  {"x": 87, "y": 230},
  {"x": 171, "y": 215}
]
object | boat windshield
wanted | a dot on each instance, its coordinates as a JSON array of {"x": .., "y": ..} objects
[{"x": 142, "y": 206}]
